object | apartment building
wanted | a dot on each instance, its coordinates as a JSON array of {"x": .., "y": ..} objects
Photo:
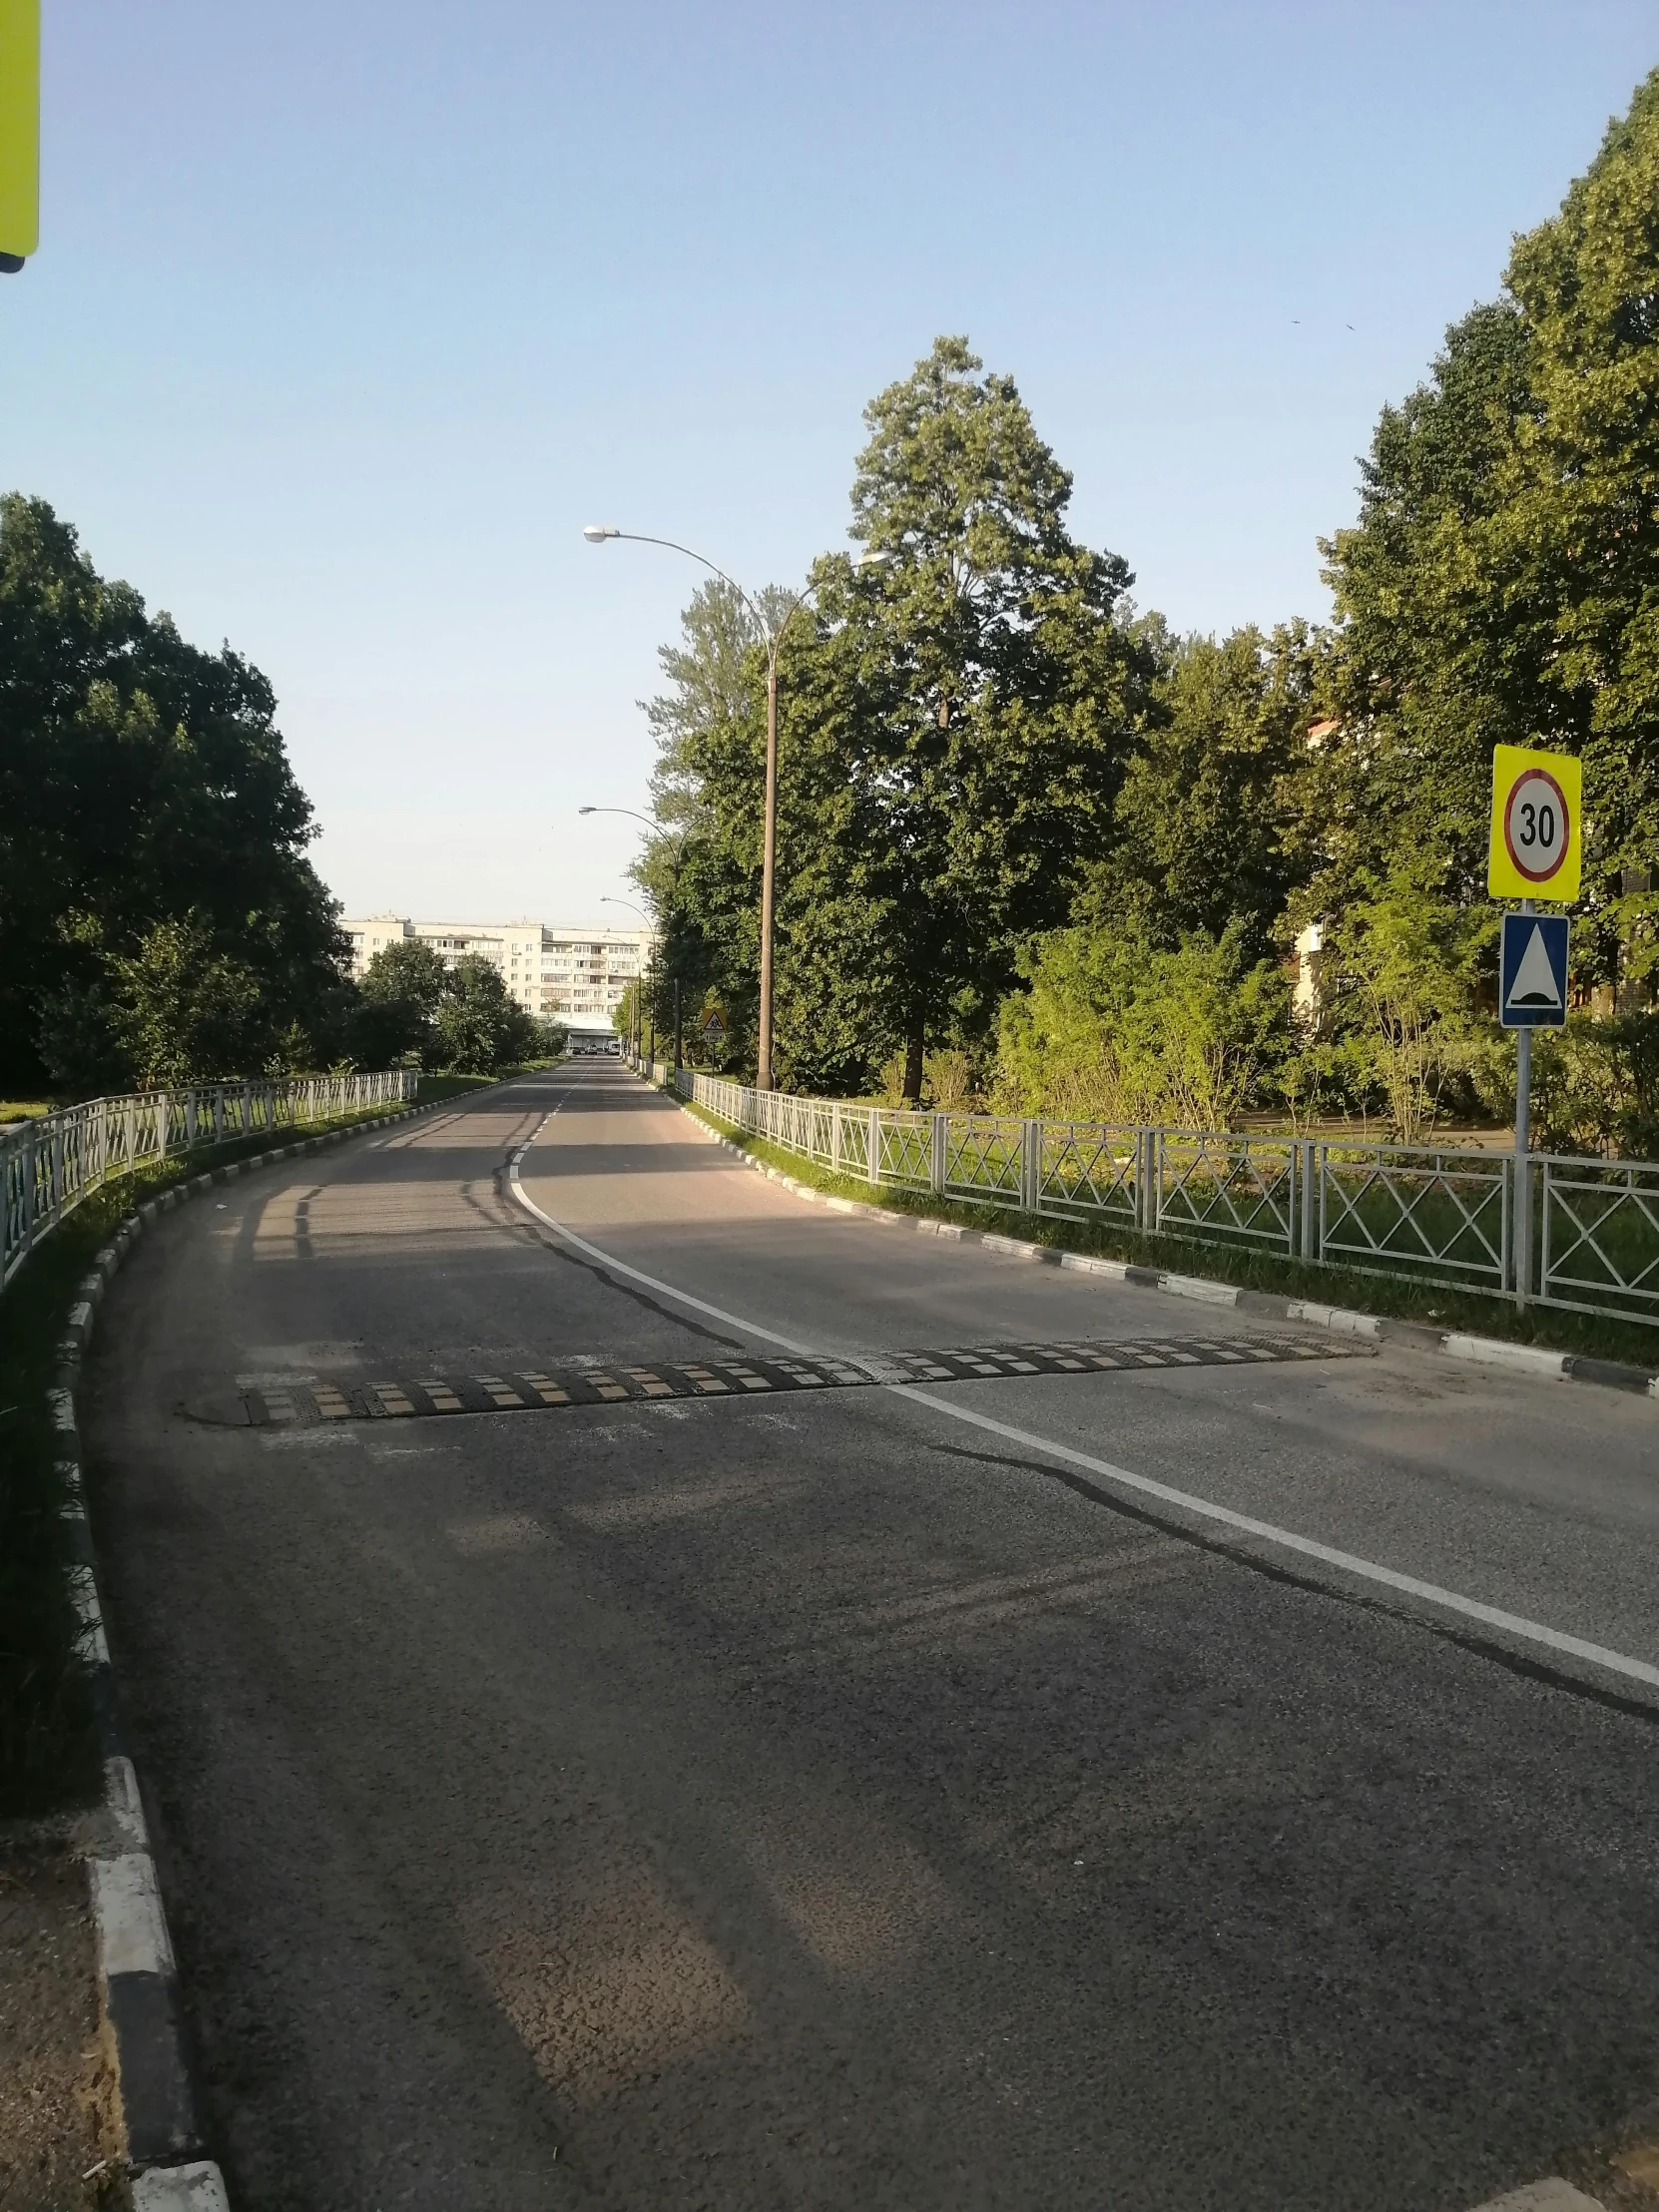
[{"x": 576, "y": 975}]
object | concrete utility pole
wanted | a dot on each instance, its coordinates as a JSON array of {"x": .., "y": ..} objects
[{"x": 597, "y": 533}]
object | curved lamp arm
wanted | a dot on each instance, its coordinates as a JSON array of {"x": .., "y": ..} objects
[{"x": 597, "y": 532}]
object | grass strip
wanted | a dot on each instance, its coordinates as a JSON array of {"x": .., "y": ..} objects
[
  {"x": 48, "y": 1745},
  {"x": 433, "y": 1090},
  {"x": 1398, "y": 1297}
]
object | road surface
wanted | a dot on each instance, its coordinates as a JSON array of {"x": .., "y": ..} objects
[{"x": 775, "y": 1786}]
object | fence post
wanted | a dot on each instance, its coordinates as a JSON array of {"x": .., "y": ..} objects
[
  {"x": 1031, "y": 1165},
  {"x": 938, "y": 1176},
  {"x": 190, "y": 1119},
  {"x": 1520, "y": 1234},
  {"x": 28, "y": 1184},
  {"x": 163, "y": 1120},
  {"x": 1543, "y": 1226},
  {"x": 1310, "y": 1168},
  {"x": 872, "y": 1167},
  {"x": 1154, "y": 1181}
]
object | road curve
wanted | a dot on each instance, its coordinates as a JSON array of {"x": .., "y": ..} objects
[{"x": 778, "y": 1793}]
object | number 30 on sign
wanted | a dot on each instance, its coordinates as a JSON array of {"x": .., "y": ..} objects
[{"x": 1536, "y": 842}]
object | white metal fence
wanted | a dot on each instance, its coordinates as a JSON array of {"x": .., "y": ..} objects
[
  {"x": 1435, "y": 1214},
  {"x": 47, "y": 1165}
]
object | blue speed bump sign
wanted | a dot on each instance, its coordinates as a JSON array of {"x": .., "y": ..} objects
[{"x": 1533, "y": 990}]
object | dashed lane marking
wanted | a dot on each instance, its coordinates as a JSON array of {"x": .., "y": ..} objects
[{"x": 318, "y": 1398}]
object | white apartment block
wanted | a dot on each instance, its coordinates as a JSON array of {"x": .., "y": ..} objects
[{"x": 577, "y": 974}]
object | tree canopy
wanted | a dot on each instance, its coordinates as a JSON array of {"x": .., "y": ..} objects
[
  {"x": 1503, "y": 582},
  {"x": 144, "y": 787},
  {"x": 955, "y": 719}
]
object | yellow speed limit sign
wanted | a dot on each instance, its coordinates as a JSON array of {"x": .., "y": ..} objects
[
  {"x": 1538, "y": 837},
  {"x": 18, "y": 132}
]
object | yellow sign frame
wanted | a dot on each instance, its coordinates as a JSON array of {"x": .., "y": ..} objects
[
  {"x": 19, "y": 129},
  {"x": 1557, "y": 781}
]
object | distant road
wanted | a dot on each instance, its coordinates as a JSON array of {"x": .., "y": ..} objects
[{"x": 703, "y": 1769}]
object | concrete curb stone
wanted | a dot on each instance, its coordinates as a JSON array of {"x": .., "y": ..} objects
[
  {"x": 1452, "y": 1344},
  {"x": 137, "y": 1978}
]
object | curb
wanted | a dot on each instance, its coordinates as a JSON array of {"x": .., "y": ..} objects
[
  {"x": 137, "y": 1975},
  {"x": 1343, "y": 1321}
]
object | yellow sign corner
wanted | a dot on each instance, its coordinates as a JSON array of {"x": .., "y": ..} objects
[
  {"x": 1537, "y": 839},
  {"x": 19, "y": 130}
]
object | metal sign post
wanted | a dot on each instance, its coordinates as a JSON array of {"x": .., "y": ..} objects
[
  {"x": 1532, "y": 994},
  {"x": 1523, "y": 1229}
]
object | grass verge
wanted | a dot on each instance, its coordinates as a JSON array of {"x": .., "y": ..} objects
[
  {"x": 433, "y": 1090},
  {"x": 47, "y": 1748},
  {"x": 1398, "y": 1297}
]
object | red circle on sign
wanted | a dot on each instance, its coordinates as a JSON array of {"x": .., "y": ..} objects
[{"x": 1539, "y": 875}]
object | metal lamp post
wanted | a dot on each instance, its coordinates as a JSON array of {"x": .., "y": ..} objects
[
  {"x": 597, "y": 533},
  {"x": 606, "y": 901},
  {"x": 634, "y": 815}
]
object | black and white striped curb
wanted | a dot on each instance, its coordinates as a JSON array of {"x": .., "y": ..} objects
[
  {"x": 139, "y": 1982},
  {"x": 1343, "y": 1321}
]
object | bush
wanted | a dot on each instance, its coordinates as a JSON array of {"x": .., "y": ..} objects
[
  {"x": 1114, "y": 1029},
  {"x": 1595, "y": 1086}
]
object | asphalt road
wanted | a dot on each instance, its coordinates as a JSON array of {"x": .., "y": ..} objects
[{"x": 814, "y": 1798}]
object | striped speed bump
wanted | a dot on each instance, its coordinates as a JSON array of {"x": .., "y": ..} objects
[{"x": 316, "y": 1398}]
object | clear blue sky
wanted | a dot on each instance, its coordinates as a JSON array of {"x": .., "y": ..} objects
[{"x": 347, "y": 316}]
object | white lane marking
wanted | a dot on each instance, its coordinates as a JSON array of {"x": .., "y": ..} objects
[
  {"x": 1287, "y": 1539},
  {"x": 1493, "y": 1616},
  {"x": 637, "y": 1275}
]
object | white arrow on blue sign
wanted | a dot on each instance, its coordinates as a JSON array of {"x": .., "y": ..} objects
[{"x": 1532, "y": 969}]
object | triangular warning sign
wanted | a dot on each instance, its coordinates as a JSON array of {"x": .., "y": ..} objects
[{"x": 1534, "y": 983}]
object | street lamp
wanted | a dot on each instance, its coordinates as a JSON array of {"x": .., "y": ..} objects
[
  {"x": 597, "y": 533},
  {"x": 631, "y": 812}
]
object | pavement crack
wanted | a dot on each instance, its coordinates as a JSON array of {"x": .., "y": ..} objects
[{"x": 1482, "y": 1647}]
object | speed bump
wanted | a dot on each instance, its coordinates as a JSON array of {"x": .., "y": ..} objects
[{"x": 556, "y": 1386}]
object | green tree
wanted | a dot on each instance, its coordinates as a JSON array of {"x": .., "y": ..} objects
[
  {"x": 702, "y": 873},
  {"x": 1502, "y": 584},
  {"x": 141, "y": 782},
  {"x": 1399, "y": 973},
  {"x": 400, "y": 996},
  {"x": 1115, "y": 1028},
  {"x": 983, "y": 692},
  {"x": 1205, "y": 824},
  {"x": 953, "y": 723},
  {"x": 479, "y": 1028},
  {"x": 185, "y": 1012},
  {"x": 408, "y": 973}
]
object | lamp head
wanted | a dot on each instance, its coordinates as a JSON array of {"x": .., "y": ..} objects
[
  {"x": 586, "y": 809},
  {"x": 597, "y": 532}
]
